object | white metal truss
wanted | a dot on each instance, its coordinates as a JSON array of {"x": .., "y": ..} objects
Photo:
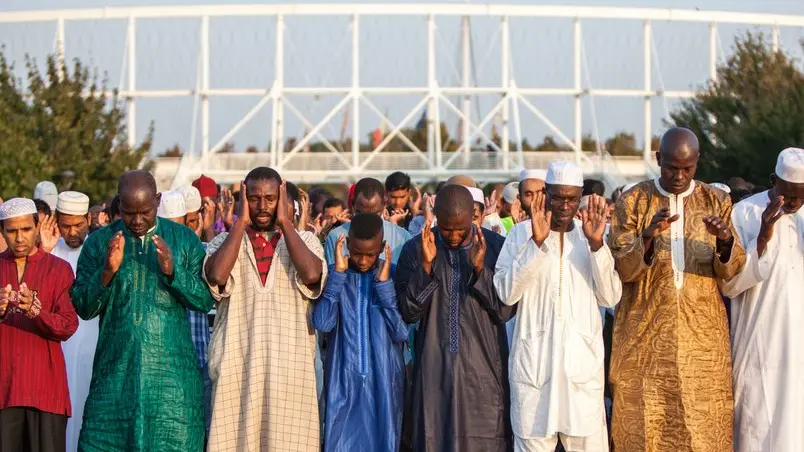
[{"x": 432, "y": 162}]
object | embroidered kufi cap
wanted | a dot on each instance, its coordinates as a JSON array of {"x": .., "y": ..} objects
[
  {"x": 565, "y": 173},
  {"x": 477, "y": 195},
  {"x": 790, "y": 165},
  {"x": 510, "y": 192},
  {"x": 17, "y": 207},
  {"x": 72, "y": 203},
  {"x": 47, "y": 192},
  {"x": 192, "y": 198},
  {"x": 171, "y": 205},
  {"x": 533, "y": 174}
]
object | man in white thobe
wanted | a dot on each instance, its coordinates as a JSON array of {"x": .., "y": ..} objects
[
  {"x": 767, "y": 314},
  {"x": 72, "y": 218},
  {"x": 559, "y": 269}
]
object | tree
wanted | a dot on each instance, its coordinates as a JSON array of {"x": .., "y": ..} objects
[
  {"x": 751, "y": 112},
  {"x": 61, "y": 121},
  {"x": 172, "y": 152},
  {"x": 622, "y": 143}
]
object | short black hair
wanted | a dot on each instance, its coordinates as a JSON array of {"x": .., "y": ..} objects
[
  {"x": 593, "y": 186},
  {"x": 397, "y": 181},
  {"x": 263, "y": 173},
  {"x": 440, "y": 186},
  {"x": 334, "y": 202},
  {"x": 366, "y": 226},
  {"x": 454, "y": 200},
  {"x": 42, "y": 207},
  {"x": 316, "y": 194},
  {"x": 369, "y": 187},
  {"x": 293, "y": 191},
  {"x": 114, "y": 207}
]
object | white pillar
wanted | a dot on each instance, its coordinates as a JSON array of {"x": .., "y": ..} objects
[
  {"x": 577, "y": 85},
  {"x": 432, "y": 83},
  {"x": 775, "y": 38},
  {"x": 466, "y": 80},
  {"x": 204, "y": 87},
  {"x": 506, "y": 79},
  {"x": 277, "y": 139},
  {"x": 713, "y": 51},
  {"x": 131, "y": 114},
  {"x": 647, "y": 82},
  {"x": 355, "y": 92}
]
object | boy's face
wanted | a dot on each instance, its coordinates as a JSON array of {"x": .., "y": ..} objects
[{"x": 363, "y": 254}]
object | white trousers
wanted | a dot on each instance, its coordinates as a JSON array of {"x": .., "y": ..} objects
[{"x": 598, "y": 442}]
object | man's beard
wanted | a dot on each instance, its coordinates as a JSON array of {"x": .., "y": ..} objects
[
  {"x": 72, "y": 243},
  {"x": 265, "y": 228}
]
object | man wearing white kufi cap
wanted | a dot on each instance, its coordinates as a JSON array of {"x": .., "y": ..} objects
[
  {"x": 36, "y": 315},
  {"x": 558, "y": 269},
  {"x": 193, "y": 206},
  {"x": 72, "y": 219},
  {"x": 531, "y": 181},
  {"x": 171, "y": 207},
  {"x": 767, "y": 314},
  {"x": 47, "y": 192}
]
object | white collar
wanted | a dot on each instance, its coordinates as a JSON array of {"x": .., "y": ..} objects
[{"x": 666, "y": 193}]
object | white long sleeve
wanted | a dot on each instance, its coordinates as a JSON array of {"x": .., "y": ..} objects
[
  {"x": 517, "y": 264},
  {"x": 608, "y": 287}
]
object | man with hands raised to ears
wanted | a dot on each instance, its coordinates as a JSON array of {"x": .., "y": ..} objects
[
  {"x": 263, "y": 275},
  {"x": 672, "y": 242},
  {"x": 444, "y": 280},
  {"x": 558, "y": 271},
  {"x": 139, "y": 275},
  {"x": 364, "y": 367}
]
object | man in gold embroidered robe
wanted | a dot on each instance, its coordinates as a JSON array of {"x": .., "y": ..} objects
[{"x": 672, "y": 240}]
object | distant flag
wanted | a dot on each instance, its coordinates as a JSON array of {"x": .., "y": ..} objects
[{"x": 422, "y": 123}]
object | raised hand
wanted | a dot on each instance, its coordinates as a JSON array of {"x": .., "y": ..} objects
[
  {"x": 717, "y": 227},
  {"x": 416, "y": 206},
  {"x": 594, "y": 220},
  {"x": 659, "y": 223},
  {"x": 341, "y": 261},
  {"x": 163, "y": 255},
  {"x": 242, "y": 208},
  {"x": 429, "y": 204},
  {"x": 477, "y": 254},
  {"x": 226, "y": 206},
  {"x": 385, "y": 270},
  {"x": 516, "y": 211},
  {"x": 770, "y": 216},
  {"x": 491, "y": 204},
  {"x": 540, "y": 218},
  {"x": 28, "y": 303},
  {"x": 5, "y": 297},
  {"x": 284, "y": 215},
  {"x": 343, "y": 217},
  {"x": 428, "y": 248},
  {"x": 304, "y": 206},
  {"x": 49, "y": 233},
  {"x": 397, "y": 215},
  {"x": 114, "y": 252},
  {"x": 103, "y": 218}
]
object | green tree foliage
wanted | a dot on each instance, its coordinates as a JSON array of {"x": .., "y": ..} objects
[
  {"x": 622, "y": 143},
  {"x": 754, "y": 110},
  {"x": 55, "y": 123}
]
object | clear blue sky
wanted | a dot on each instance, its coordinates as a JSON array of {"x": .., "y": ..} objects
[{"x": 393, "y": 55}]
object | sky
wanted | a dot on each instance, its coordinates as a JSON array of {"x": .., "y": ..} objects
[{"x": 393, "y": 53}]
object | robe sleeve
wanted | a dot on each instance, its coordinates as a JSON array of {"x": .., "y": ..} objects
[
  {"x": 89, "y": 296},
  {"x": 756, "y": 269},
  {"x": 414, "y": 287},
  {"x": 326, "y": 312},
  {"x": 187, "y": 285},
  {"x": 625, "y": 240},
  {"x": 726, "y": 271},
  {"x": 315, "y": 246},
  {"x": 60, "y": 322},
  {"x": 608, "y": 287},
  {"x": 217, "y": 294},
  {"x": 385, "y": 300},
  {"x": 519, "y": 262},
  {"x": 482, "y": 289}
]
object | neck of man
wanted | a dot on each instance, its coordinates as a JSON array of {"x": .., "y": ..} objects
[{"x": 562, "y": 229}]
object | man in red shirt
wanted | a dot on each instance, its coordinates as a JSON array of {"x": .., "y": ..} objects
[{"x": 36, "y": 316}]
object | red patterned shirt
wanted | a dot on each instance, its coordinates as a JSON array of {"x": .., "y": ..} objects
[
  {"x": 264, "y": 248},
  {"x": 32, "y": 371}
]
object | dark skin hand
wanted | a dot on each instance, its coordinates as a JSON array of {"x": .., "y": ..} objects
[
  {"x": 163, "y": 255},
  {"x": 477, "y": 254},
  {"x": 219, "y": 266},
  {"x": 770, "y": 216},
  {"x": 114, "y": 258},
  {"x": 724, "y": 239},
  {"x": 660, "y": 223}
]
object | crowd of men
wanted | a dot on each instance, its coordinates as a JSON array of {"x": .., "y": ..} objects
[{"x": 546, "y": 318}]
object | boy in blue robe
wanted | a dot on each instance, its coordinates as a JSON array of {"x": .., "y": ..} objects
[{"x": 364, "y": 370}]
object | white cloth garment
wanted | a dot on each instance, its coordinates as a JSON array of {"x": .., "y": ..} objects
[
  {"x": 556, "y": 363},
  {"x": 767, "y": 314},
  {"x": 79, "y": 354},
  {"x": 564, "y": 173},
  {"x": 676, "y": 230},
  {"x": 493, "y": 222},
  {"x": 599, "y": 442}
]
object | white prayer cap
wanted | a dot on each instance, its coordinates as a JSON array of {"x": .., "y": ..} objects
[
  {"x": 192, "y": 198},
  {"x": 629, "y": 186},
  {"x": 72, "y": 203},
  {"x": 47, "y": 192},
  {"x": 532, "y": 174},
  {"x": 510, "y": 192},
  {"x": 720, "y": 186},
  {"x": 790, "y": 165},
  {"x": 17, "y": 207},
  {"x": 171, "y": 205},
  {"x": 565, "y": 173},
  {"x": 477, "y": 195}
]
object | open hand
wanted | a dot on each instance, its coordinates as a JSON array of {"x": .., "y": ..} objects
[
  {"x": 491, "y": 204},
  {"x": 416, "y": 206},
  {"x": 242, "y": 209},
  {"x": 5, "y": 295},
  {"x": 163, "y": 255},
  {"x": 304, "y": 206},
  {"x": 477, "y": 254},
  {"x": 540, "y": 218},
  {"x": 341, "y": 260},
  {"x": 594, "y": 220},
  {"x": 397, "y": 215},
  {"x": 428, "y": 248},
  {"x": 284, "y": 215},
  {"x": 49, "y": 233},
  {"x": 114, "y": 252},
  {"x": 226, "y": 206},
  {"x": 516, "y": 211},
  {"x": 429, "y": 204},
  {"x": 385, "y": 270},
  {"x": 717, "y": 227},
  {"x": 659, "y": 223}
]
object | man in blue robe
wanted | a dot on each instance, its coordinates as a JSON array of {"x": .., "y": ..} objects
[{"x": 364, "y": 370}]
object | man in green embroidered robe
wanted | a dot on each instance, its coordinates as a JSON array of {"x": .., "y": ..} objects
[{"x": 139, "y": 274}]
